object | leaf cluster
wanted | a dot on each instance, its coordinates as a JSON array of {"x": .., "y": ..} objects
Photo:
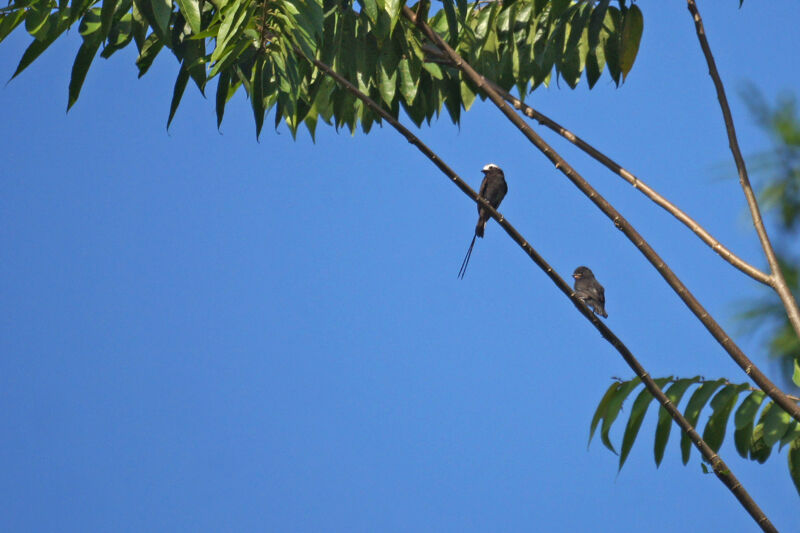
[
  {"x": 261, "y": 45},
  {"x": 754, "y": 436}
]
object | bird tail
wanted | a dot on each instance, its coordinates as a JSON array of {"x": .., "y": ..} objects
[
  {"x": 463, "y": 269},
  {"x": 480, "y": 227},
  {"x": 603, "y": 313}
]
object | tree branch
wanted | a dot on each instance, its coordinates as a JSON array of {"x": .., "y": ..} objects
[
  {"x": 638, "y": 184},
  {"x": 620, "y": 222},
  {"x": 778, "y": 281},
  {"x": 721, "y": 469}
]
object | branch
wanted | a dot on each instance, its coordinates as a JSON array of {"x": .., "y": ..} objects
[
  {"x": 638, "y": 184},
  {"x": 778, "y": 281},
  {"x": 721, "y": 469},
  {"x": 620, "y": 222}
]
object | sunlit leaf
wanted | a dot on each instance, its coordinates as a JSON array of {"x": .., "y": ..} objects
[
  {"x": 796, "y": 373},
  {"x": 191, "y": 12}
]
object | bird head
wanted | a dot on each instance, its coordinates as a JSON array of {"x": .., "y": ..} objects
[
  {"x": 490, "y": 167},
  {"x": 582, "y": 272}
]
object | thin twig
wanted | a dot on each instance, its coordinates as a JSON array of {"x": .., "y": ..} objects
[
  {"x": 772, "y": 390},
  {"x": 721, "y": 469},
  {"x": 638, "y": 184},
  {"x": 779, "y": 282}
]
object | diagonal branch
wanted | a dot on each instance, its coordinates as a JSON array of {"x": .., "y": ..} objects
[
  {"x": 638, "y": 184},
  {"x": 778, "y": 281},
  {"x": 721, "y": 469},
  {"x": 620, "y": 222},
  {"x": 435, "y": 55}
]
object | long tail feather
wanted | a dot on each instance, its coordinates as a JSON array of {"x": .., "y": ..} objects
[{"x": 463, "y": 269}]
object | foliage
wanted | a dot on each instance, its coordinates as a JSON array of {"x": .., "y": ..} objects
[
  {"x": 753, "y": 438},
  {"x": 259, "y": 45},
  {"x": 779, "y": 170}
]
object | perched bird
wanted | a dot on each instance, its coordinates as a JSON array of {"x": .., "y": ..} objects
[
  {"x": 493, "y": 189},
  {"x": 590, "y": 291}
]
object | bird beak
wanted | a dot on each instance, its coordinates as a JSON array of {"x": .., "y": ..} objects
[{"x": 576, "y": 276}]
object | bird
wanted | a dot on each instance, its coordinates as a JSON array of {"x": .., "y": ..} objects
[
  {"x": 493, "y": 190},
  {"x": 589, "y": 290}
]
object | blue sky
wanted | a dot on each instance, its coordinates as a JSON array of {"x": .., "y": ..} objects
[{"x": 203, "y": 332}]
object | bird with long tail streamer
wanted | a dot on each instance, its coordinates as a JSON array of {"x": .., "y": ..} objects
[{"x": 493, "y": 190}]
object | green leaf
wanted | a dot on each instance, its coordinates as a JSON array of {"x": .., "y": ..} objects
[
  {"x": 452, "y": 21},
  {"x": 794, "y": 464},
  {"x": 596, "y": 22},
  {"x": 394, "y": 8},
  {"x": 638, "y": 411},
  {"x": 83, "y": 60},
  {"x": 796, "y": 374},
  {"x": 222, "y": 95},
  {"x": 257, "y": 96},
  {"x": 120, "y": 36},
  {"x": 776, "y": 423},
  {"x": 311, "y": 122},
  {"x": 177, "y": 92},
  {"x": 38, "y": 46},
  {"x": 452, "y": 100},
  {"x": 696, "y": 403},
  {"x": 233, "y": 17},
  {"x": 759, "y": 451},
  {"x": 612, "y": 411},
  {"x": 90, "y": 23},
  {"x": 722, "y": 405},
  {"x": 792, "y": 434},
  {"x": 37, "y": 17},
  {"x": 467, "y": 95},
  {"x": 107, "y": 15},
  {"x": 191, "y": 12},
  {"x": 744, "y": 420},
  {"x": 370, "y": 7},
  {"x": 675, "y": 392},
  {"x": 408, "y": 85},
  {"x": 632, "y": 26},
  {"x": 612, "y": 46},
  {"x": 9, "y": 21},
  {"x": 150, "y": 49},
  {"x": 434, "y": 70},
  {"x": 600, "y": 412},
  {"x": 162, "y": 11},
  {"x": 388, "y": 80}
]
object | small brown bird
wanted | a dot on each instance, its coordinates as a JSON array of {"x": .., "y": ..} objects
[
  {"x": 493, "y": 190},
  {"x": 590, "y": 291}
]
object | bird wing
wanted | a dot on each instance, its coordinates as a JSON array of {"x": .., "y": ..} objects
[
  {"x": 601, "y": 294},
  {"x": 484, "y": 183}
]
